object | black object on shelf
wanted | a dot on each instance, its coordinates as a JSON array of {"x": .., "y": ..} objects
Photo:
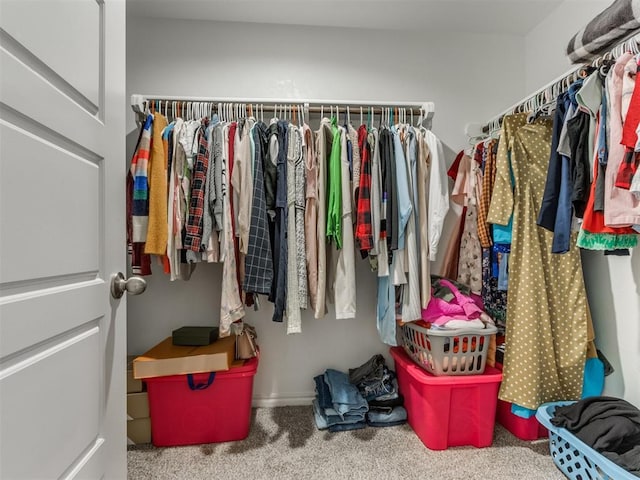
[{"x": 195, "y": 336}]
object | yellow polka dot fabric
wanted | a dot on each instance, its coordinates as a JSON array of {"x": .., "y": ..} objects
[{"x": 547, "y": 308}]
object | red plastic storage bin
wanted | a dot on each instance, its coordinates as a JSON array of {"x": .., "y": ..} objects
[
  {"x": 448, "y": 411},
  {"x": 187, "y": 412},
  {"x": 523, "y": 428}
]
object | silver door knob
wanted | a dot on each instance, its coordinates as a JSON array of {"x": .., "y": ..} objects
[{"x": 133, "y": 285}]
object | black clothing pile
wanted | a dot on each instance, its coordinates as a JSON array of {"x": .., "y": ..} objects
[{"x": 607, "y": 424}]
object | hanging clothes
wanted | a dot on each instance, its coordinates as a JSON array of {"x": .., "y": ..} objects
[
  {"x": 595, "y": 234},
  {"x": 311, "y": 215},
  {"x": 470, "y": 261},
  {"x": 138, "y": 201},
  {"x": 324, "y": 142},
  {"x": 621, "y": 207},
  {"x": 422, "y": 169},
  {"x": 345, "y": 275},
  {"x": 293, "y": 300},
  {"x": 282, "y": 206},
  {"x": 259, "y": 260},
  {"x": 551, "y": 366},
  {"x": 156, "y": 243}
]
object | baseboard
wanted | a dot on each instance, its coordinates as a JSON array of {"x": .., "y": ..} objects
[{"x": 286, "y": 400}]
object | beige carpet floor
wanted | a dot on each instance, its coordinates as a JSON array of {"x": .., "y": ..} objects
[{"x": 285, "y": 444}]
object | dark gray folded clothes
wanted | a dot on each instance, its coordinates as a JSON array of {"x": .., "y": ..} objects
[
  {"x": 394, "y": 402},
  {"x": 630, "y": 460},
  {"x": 604, "y": 31},
  {"x": 609, "y": 425},
  {"x": 345, "y": 427},
  {"x": 371, "y": 369},
  {"x": 381, "y": 409}
]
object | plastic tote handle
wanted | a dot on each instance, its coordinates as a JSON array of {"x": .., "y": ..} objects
[{"x": 200, "y": 386}]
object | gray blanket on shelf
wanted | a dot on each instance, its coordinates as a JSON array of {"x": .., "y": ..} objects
[{"x": 615, "y": 23}]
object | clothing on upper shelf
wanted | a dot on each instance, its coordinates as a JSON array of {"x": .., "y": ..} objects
[{"x": 284, "y": 208}]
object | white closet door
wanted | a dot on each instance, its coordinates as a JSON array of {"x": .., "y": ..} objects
[{"x": 62, "y": 207}]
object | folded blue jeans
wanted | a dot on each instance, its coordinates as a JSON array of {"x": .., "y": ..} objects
[
  {"x": 344, "y": 427},
  {"x": 322, "y": 389},
  {"x": 398, "y": 414},
  {"x": 326, "y": 418},
  {"x": 390, "y": 424},
  {"x": 379, "y": 387},
  {"x": 345, "y": 397}
]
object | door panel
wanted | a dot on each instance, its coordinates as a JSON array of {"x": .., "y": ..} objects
[
  {"x": 62, "y": 235},
  {"x": 43, "y": 104},
  {"x": 24, "y": 317},
  {"x": 52, "y": 172},
  {"x": 75, "y": 34},
  {"x": 51, "y": 404}
]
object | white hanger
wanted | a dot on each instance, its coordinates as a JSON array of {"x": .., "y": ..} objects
[
  {"x": 348, "y": 116},
  {"x": 338, "y": 115}
]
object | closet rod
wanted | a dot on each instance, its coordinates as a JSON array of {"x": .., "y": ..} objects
[
  {"x": 138, "y": 103},
  {"x": 561, "y": 83}
]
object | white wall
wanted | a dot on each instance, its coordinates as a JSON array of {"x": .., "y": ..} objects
[
  {"x": 546, "y": 44},
  {"x": 245, "y": 60},
  {"x": 613, "y": 283}
]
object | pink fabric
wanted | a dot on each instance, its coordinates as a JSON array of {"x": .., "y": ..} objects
[
  {"x": 462, "y": 307},
  {"x": 621, "y": 207}
]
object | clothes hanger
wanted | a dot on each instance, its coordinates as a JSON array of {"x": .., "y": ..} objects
[{"x": 429, "y": 112}]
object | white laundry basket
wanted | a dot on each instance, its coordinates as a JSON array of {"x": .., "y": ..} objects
[{"x": 448, "y": 352}]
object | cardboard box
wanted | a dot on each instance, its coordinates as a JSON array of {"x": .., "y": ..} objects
[
  {"x": 137, "y": 405},
  {"x": 133, "y": 385},
  {"x": 168, "y": 359},
  {"x": 139, "y": 431}
]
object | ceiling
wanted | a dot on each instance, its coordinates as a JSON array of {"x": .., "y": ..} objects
[{"x": 472, "y": 16}]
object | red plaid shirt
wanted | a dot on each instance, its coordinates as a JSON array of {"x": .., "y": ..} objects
[
  {"x": 193, "y": 226},
  {"x": 364, "y": 229}
]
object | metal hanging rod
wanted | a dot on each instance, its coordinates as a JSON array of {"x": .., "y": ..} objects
[
  {"x": 551, "y": 90},
  {"x": 141, "y": 103}
]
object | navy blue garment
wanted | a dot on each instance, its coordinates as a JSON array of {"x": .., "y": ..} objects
[
  {"x": 562, "y": 227},
  {"x": 280, "y": 233},
  {"x": 549, "y": 207},
  {"x": 323, "y": 393},
  {"x": 569, "y": 176}
]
